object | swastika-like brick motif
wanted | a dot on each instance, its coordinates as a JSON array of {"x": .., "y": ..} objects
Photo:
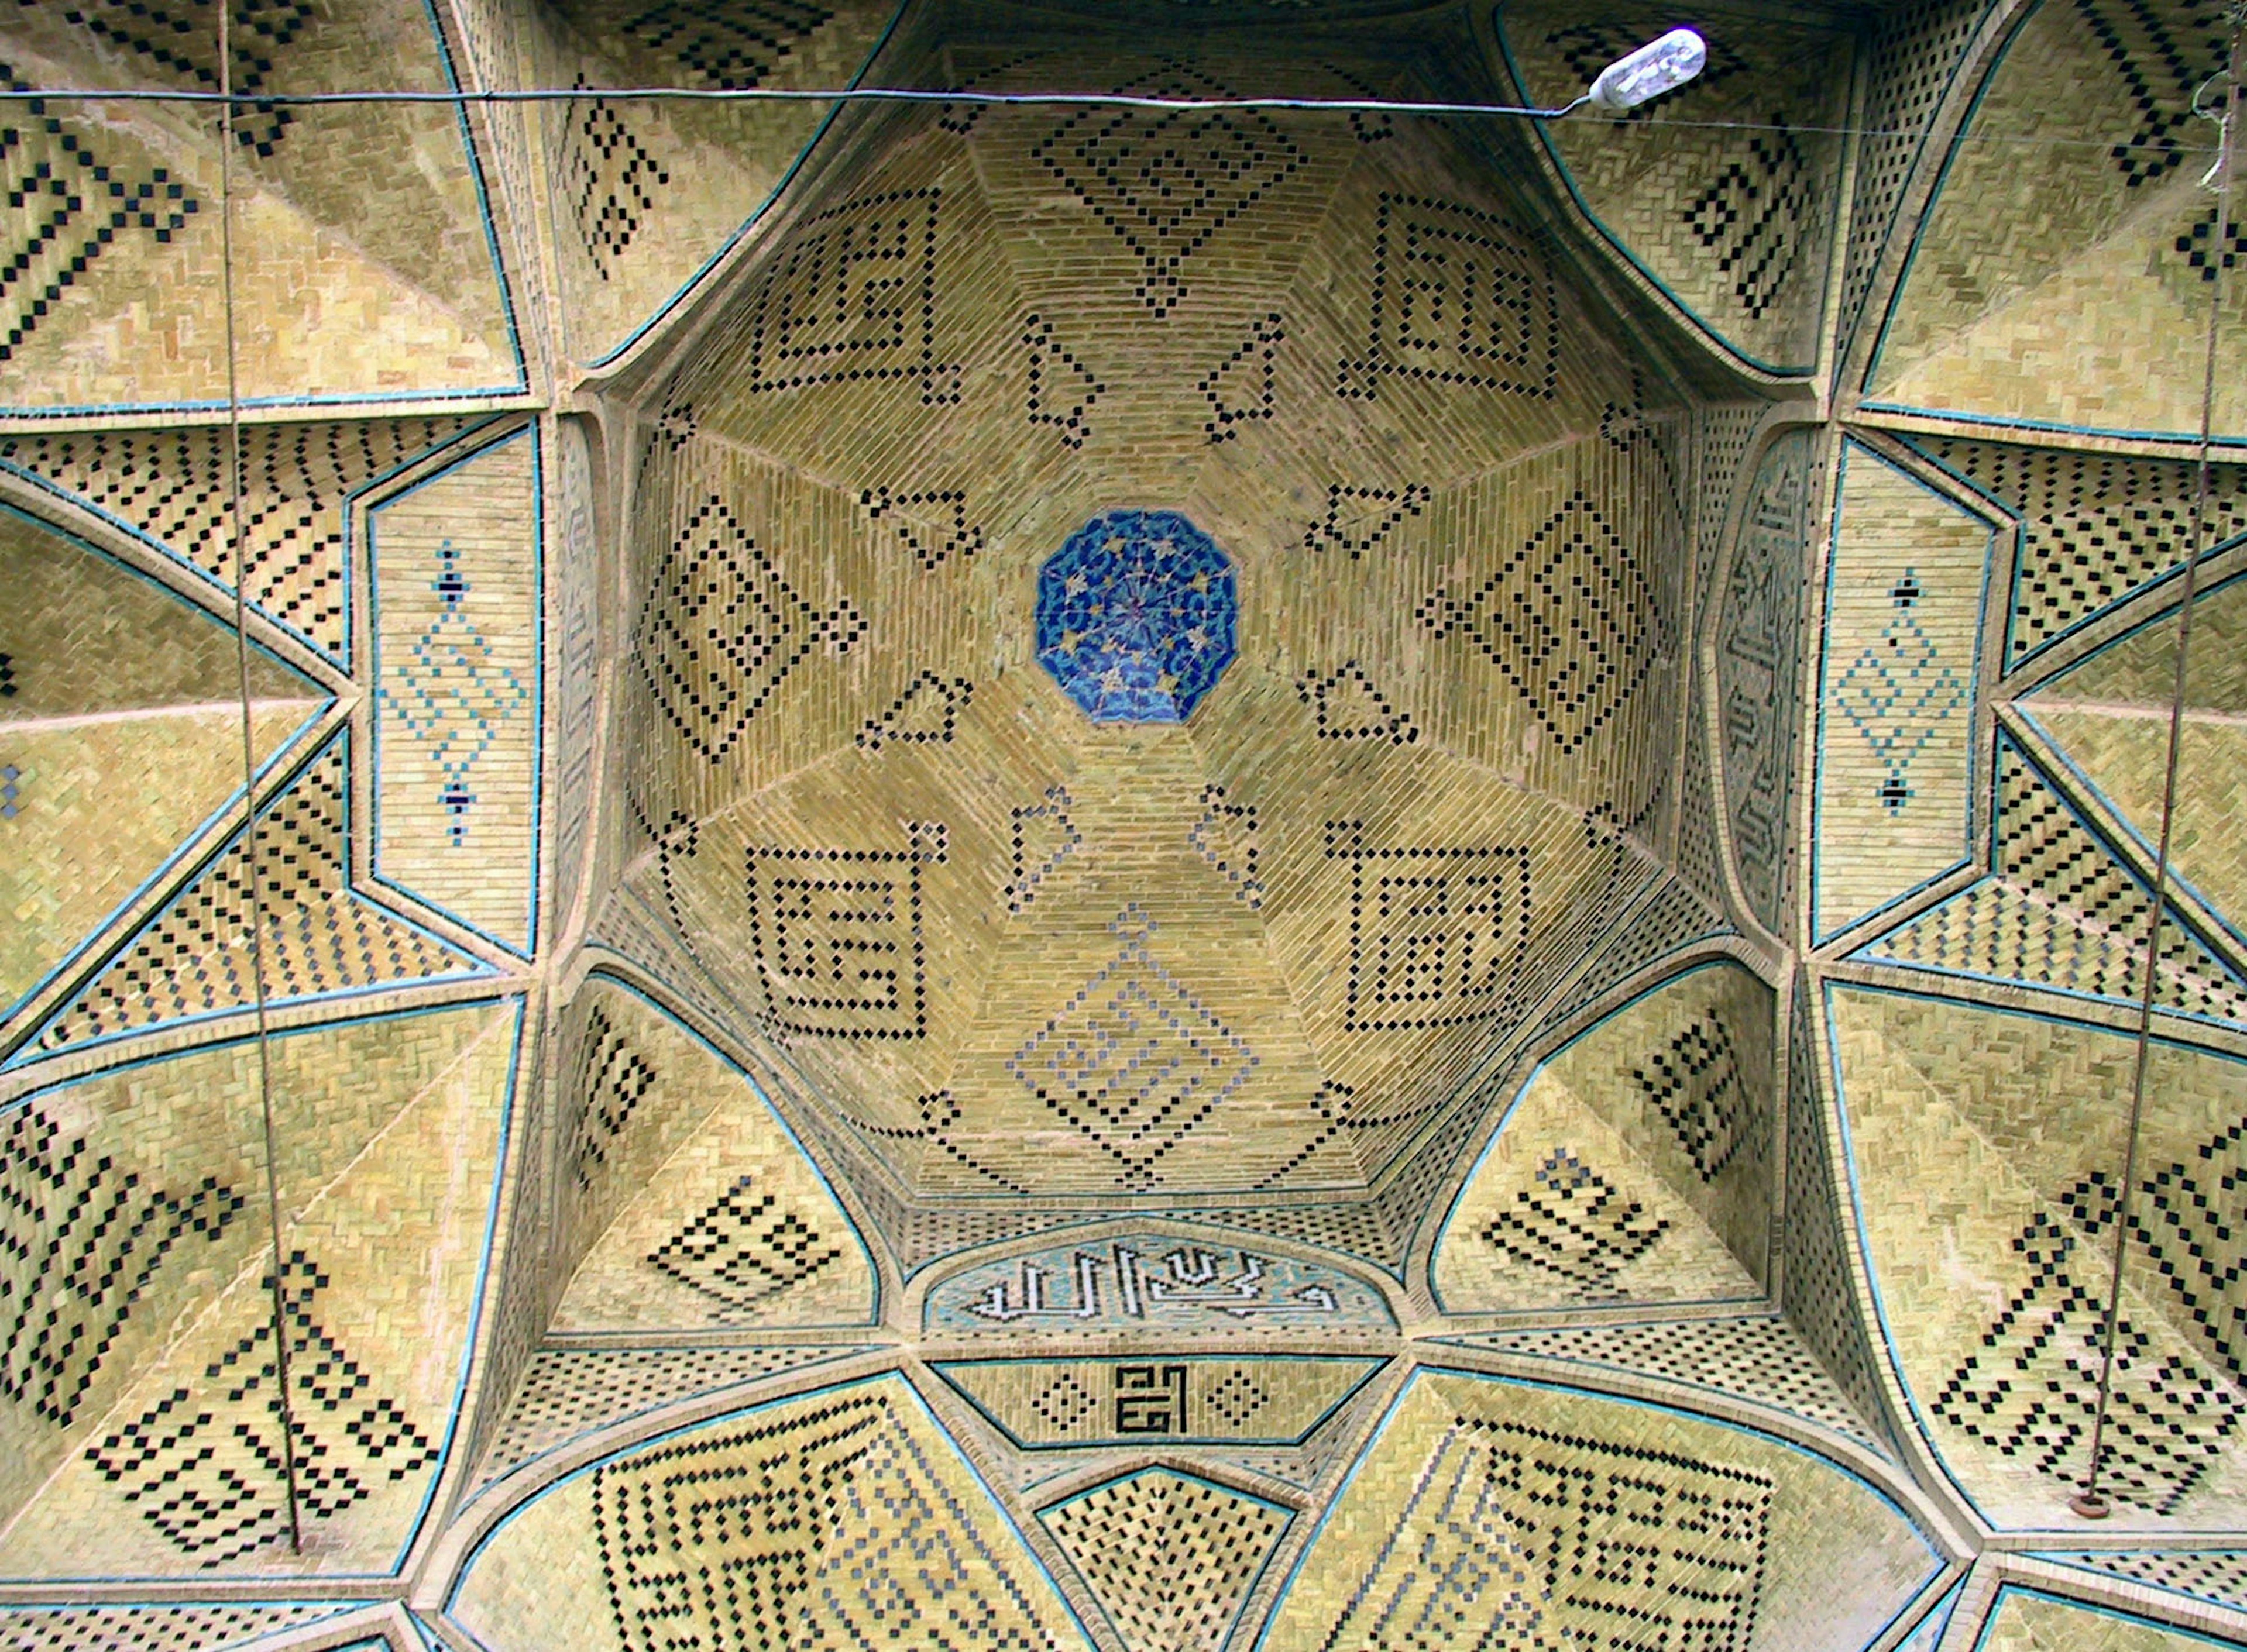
[
  {"x": 1438, "y": 936},
  {"x": 1695, "y": 1084},
  {"x": 1570, "y": 618},
  {"x": 1746, "y": 218},
  {"x": 852, "y": 298},
  {"x": 66, "y": 208},
  {"x": 609, "y": 1080},
  {"x": 837, "y": 934},
  {"x": 719, "y": 630},
  {"x": 612, "y": 182},
  {"x": 1575, "y": 1226},
  {"x": 1459, "y": 297}
]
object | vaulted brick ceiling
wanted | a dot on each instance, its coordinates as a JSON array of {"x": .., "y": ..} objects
[
  {"x": 1067, "y": 875},
  {"x": 1157, "y": 636}
]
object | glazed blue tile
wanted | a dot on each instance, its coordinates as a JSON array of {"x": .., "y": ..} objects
[{"x": 1137, "y": 616}]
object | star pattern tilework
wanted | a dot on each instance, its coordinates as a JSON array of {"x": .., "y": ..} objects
[{"x": 1136, "y": 616}]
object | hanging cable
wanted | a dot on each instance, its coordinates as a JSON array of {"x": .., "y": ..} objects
[
  {"x": 2091, "y": 1503},
  {"x": 275, "y": 1286},
  {"x": 1043, "y": 99}
]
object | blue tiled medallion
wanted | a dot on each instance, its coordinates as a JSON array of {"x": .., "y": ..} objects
[{"x": 1136, "y": 616}]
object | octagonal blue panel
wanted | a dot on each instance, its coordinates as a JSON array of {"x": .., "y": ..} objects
[{"x": 1136, "y": 616}]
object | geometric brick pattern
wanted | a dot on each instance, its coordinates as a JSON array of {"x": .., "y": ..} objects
[
  {"x": 729, "y": 45},
  {"x": 206, "y": 1464},
  {"x": 567, "y": 1392},
  {"x": 1573, "y": 1228},
  {"x": 1697, "y": 1534},
  {"x": 1724, "y": 194},
  {"x": 838, "y": 1524},
  {"x": 1133, "y": 1060},
  {"x": 1915, "y": 51},
  {"x": 1531, "y": 1515},
  {"x": 1758, "y": 670},
  {"x": 1171, "y": 1557},
  {"x": 1895, "y": 752},
  {"x": 170, "y": 487},
  {"x": 719, "y": 630},
  {"x": 1569, "y": 618},
  {"x": 151, "y": 1628},
  {"x": 1820, "y": 1301},
  {"x": 66, "y": 1301},
  {"x": 743, "y": 1250},
  {"x": 2217, "y": 1575},
  {"x": 65, "y": 209},
  {"x": 319, "y": 936},
  {"x": 2062, "y": 912},
  {"x": 1762, "y": 1360},
  {"x": 1165, "y": 182},
  {"x": 2032, "y": 1389},
  {"x": 2094, "y": 528},
  {"x": 611, "y": 180}
]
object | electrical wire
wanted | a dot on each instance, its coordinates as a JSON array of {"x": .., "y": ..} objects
[
  {"x": 1035, "y": 99},
  {"x": 285, "y": 1399},
  {"x": 797, "y": 94},
  {"x": 2090, "y": 1502}
]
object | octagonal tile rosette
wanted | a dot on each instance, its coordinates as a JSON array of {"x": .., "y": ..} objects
[{"x": 1136, "y": 616}]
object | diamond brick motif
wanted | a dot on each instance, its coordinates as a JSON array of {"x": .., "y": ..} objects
[
  {"x": 1134, "y": 1060},
  {"x": 719, "y": 630},
  {"x": 745, "y": 1249},
  {"x": 1166, "y": 181},
  {"x": 1898, "y": 693},
  {"x": 1569, "y": 618},
  {"x": 451, "y": 695}
]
